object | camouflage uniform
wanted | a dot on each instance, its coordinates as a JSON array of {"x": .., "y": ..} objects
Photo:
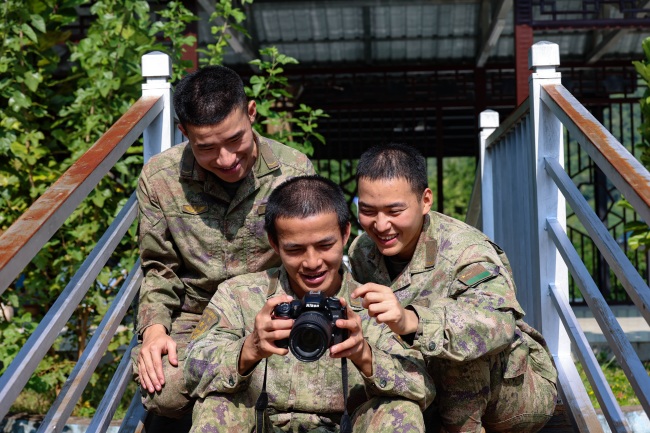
[
  {"x": 302, "y": 396},
  {"x": 488, "y": 365},
  {"x": 193, "y": 236}
]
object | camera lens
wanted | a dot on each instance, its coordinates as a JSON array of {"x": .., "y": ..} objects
[{"x": 310, "y": 336}]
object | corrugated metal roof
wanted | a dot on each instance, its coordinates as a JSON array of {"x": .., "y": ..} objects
[{"x": 426, "y": 32}]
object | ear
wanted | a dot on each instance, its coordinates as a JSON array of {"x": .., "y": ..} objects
[
  {"x": 252, "y": 110},
  {"x": 427, "y": 201},
  {"x": 273, "y": 244},
  {"x": 346, "y": 235},
  {"x": 180, "y": 128}
]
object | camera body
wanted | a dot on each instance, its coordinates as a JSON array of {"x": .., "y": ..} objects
[{"x": 314, "y": 330}]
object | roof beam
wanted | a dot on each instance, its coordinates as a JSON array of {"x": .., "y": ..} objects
[
  {"x": 490, "y": 35},
  {"x": 610, "y": 40}
]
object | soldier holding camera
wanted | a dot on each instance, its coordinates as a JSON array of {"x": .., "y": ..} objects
[{"x": 267, "y": 334}]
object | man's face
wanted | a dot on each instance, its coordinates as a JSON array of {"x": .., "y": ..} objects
[
  {"x": 311, "y": 250},
  {"x": 392, "y": 215},
  {"x": 228, "y": 148}
]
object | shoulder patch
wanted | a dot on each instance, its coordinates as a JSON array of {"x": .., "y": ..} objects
[
  {"x": 194, "y": 210},
  {"x": 268, "y": 156},
  {"x": 431, "y": 252},
  {"x": 208, "y": 320},
  {"x": 477, "y": 273}
]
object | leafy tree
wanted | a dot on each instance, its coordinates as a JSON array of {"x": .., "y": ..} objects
[
  {"x": 60, "y": 96},
  {"x": 281, "y": 121},
  {"x": 640, "y": 233},
  {"x": 297, "y": 127}
]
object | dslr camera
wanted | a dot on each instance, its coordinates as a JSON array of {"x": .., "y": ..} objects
[{"x": 314, "y": 330}]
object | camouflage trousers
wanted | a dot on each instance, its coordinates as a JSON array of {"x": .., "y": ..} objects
[
  {"x": 235, "y": 413},
  {"x": 172, "y": 400},
  {"x": 491, "y": 393}
]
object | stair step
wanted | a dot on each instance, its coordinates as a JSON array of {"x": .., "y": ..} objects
[{"x": 560, "y": 422}]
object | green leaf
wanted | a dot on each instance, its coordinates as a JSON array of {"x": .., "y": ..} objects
[
  {"x": 32, "y": 80},
  {"x": 38, "y": 23},
  {"x": 29, "y": 32}
]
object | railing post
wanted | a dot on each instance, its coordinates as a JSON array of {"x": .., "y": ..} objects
[
  {"x": 488, "y": 123},
  {"x": 157, "y": 70},
  {"x": 548, "y": 202},
  {"x": 549, "y": 270}
]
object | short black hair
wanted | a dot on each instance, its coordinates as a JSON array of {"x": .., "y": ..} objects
[
  {"x": 208, "y": 95},
  {"x": 394, "y": 161},
  {"x": 305, "y": 196}
]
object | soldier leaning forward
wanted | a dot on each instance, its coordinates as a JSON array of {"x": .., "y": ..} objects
[
  {"x": 201, "y": 221},
  {"x": 491, "y": 370}
]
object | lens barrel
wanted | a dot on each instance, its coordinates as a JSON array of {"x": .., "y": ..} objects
[{"x": 310, "y": 336}]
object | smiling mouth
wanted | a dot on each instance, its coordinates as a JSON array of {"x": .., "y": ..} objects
[
  {"x": 232, "y": 167},
  {"x": 386, "y": 238},
  {"x": 313, "y": 277}
]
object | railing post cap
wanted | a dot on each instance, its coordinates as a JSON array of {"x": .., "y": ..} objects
[
  {"x": 156, "y": 64},
  {"x": 544, "y": 53},
  {"x": 488, "y": 119}
]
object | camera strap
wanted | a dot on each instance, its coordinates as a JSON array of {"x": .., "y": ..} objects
[
  {"x": 263, "y": 401},
  {"x": 261, "y": 404},
  {"x": 346, "y": 424}
]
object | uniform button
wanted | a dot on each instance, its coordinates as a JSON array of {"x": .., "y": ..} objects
[
  {"x": 382, "y": 383},
  {"x": 432, "y": 346},
  {"x": 231, "y": 381}
]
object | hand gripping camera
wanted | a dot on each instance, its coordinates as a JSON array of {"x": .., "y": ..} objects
[{"x": 314, "y": 330}]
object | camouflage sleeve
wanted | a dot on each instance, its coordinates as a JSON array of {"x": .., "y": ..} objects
[
  {"x": 358, "y": 255},
  {"x": 213, "y": 354},
  {"x": 477, "y": 317},
  {"x": 161, "y": 287},
  {"x": 398, "y": 370}
]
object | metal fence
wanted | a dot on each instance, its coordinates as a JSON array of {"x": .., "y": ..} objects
[
  {"x": 524, "y": 160},
  {"x": 150, "y": 117}
]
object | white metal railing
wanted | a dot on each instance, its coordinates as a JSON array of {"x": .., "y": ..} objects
[
  {"x": 151, "y": 117},
  {"x": 524, "y": 193}
]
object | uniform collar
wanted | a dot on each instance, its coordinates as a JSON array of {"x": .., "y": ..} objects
[
  {"x": 267, "y": 162},
  {"x": 424, "y": 256}
]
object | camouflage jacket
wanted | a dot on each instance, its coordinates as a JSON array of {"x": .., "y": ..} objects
[
  {"x": 292, "y": 385},
  {"x": 458, "y": 282},
  {"x": 193, "y": 236}
]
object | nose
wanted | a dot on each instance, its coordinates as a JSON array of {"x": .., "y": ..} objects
[
  {"x": 312, "y": 259},
  {"x": 382, "y": 222},
  {"x": 225, "y": 158}
]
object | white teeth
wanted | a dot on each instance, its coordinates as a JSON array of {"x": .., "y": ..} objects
[{"x": 386, "y": 238}]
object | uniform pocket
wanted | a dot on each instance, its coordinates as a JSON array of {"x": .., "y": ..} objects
[{"x": 517, "y": 361}]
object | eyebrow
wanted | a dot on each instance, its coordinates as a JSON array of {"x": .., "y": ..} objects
[
  {"x": 235, "y": 136},
  {"x": 321, "y": 241},
  {"x": 394, "y": 204}
]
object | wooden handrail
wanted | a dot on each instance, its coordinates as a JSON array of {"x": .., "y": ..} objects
[
  {"x": 27, "y": 235},
  {"x": 620, "y": 166}
]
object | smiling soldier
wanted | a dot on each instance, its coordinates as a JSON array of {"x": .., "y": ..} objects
[
  {"x": 201, "y": 221},
  {"x": 237, "y": 356},
  {"x": 447, "y": 289}
]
